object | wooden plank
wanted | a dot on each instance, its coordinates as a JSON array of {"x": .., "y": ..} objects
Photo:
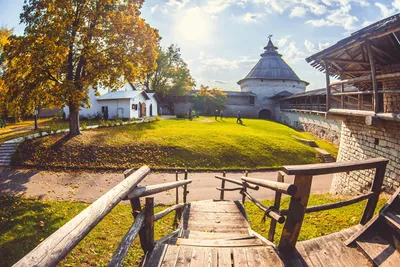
[
  {"x": 379, "y": 250},
  {"x": 269, "y": 256},
  {"x": 348, "y": 61},
  {"x": 165, "y": 212},
  {"x": 54, "y": 248},
  {"x": 392, "y": 218},
  {"x": 309, "y": 251},
  {"x": 224, "y": 257},
  {"x": 297, "y": 207},
  {"x": 288, "y": 189},
  {"x": 184, "y": 257},
  {"x": 148, "y": 226},
  {"x": 335, "y": 167},
  {"x": 217, "y": 229},
  {"x": 253, "y": 258},
  {"x": 156, "y": 256},
  {"x": 239, "y": 257},
  {"x": 170, "y": 256},
  {"x": 190, "y": 234},
  {"x": 303, "y": 254},
  {"x": 376, "y": 188},
  {"x": 211, "y": 257},
  {"x": 120, "y": 253},
  {"x": 277, "y": 205},
  {"x": 198, "y": 257},
  {"x": 215, "y": 243}
]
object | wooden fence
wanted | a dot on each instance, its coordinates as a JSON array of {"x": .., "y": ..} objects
[
  {"x": 299, "y": 192},
  {"x": 54, "y": 248}
]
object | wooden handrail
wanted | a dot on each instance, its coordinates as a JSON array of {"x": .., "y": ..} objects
[
  {"x": 233, "y": 181},
  {"x": 367, "y": 78},
  {"x": 123, "y": 247},
  {"x": 289, "y": 189},
  {"x": 54, "y": 248},
  {"x": 336, "y": 167},
  {"x": 143, "y": 191},
  {"x": 270, "y": 213},
  {"x": 165, "y": 212},
  {"x": 336, "y": 204}
]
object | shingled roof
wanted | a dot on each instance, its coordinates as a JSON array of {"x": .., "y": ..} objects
[{"x": 271, "y": 66}]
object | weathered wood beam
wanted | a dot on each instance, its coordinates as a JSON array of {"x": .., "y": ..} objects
[
  {"x": 165, "y": 212},
  {"x": 233, "y": 181},
  {"x": 351, "y": 112},
  {"x": 371, "y": 59},
  {"x": 389, "y": 116},
  {"x": 123, "y": 247},
  {"x": 277, "y": 205},
  {"x": 347, "y": 61},
  {"x": 284, "y": 188},
  {"x": 328, "y": 88},
  {"x": 143, "y": 191},
  {"x": 384, "y": 53},
  {"x": 54, "y": 248},
  {"x": 335, "y": 167},
  {"x": 148, "y": 225}
]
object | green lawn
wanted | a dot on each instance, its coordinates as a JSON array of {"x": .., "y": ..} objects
[
  {"x": 25, "y": 223},
  {"x": 202, "y": 144}
]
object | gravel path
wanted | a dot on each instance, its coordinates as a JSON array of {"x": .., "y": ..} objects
[{"x": 89, "y": 186}]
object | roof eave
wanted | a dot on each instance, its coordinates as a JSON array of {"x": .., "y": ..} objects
[{"x": 274, "y": 79}]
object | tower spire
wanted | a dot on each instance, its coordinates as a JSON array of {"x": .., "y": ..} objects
[{"x": 270, "y": 49}]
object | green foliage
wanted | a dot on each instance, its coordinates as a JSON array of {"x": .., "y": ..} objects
[
  {"x": 83, "y": 125},
  {"x": 69, "y": 46},
  {"x": 200, "y": 144},
  {"x": 172, "y": 76},
  {"x": 158, "y": 118},
  {"x": 210, "y": 100}
]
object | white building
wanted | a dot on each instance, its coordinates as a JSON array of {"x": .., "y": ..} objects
[{"x": 126, "y": 102}]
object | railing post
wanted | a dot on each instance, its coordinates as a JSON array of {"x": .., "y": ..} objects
[
  {"x": 328, "y": 88},
  {"x": 277, "y": 204},
  {"x": 376, "y": 188},
  {"x": 246, "y": 173},
  {"x": 375, "y": 96},
  {"x": 185, "y": 192},
  {"x": 297, "y": 208},
  {"x": 342, "y": 96},
  {"x": 222, "y": 187},
  {"x": 148, "y": 226},
  {"x": 177, "y": 189}
]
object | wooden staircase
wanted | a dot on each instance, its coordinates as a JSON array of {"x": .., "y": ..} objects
[{"x": 379, "y": 239}]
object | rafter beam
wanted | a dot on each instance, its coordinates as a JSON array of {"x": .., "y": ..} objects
[{"x": 347, "y": 61}]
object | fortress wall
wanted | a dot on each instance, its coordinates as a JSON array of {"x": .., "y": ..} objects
[
  {"x": 310, "y": 122},
  {"x": 359, "y": 141}
]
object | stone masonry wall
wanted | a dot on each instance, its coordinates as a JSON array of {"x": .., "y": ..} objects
[
  {"x": 391, "y": 102},
  {"x": 359, "y": 141}
]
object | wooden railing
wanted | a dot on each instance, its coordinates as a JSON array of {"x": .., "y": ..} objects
[
  {"x": 300, "y": 192},
  {"x": 54, "y": 248}
]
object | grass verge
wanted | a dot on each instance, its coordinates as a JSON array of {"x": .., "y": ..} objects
[
  {"x": 203, "y": 144},
  {"x": 25, "y": 223}
]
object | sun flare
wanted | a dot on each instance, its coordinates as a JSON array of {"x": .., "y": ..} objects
[{"x": 193, "y": 25}]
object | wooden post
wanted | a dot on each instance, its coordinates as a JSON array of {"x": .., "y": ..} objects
[
  {"x": 328, "y": 88},
  {"x": 148, "y": 225},
  {"x": 277, "y": 204},
  {"x": 246, "y": 173},
  {"x": 375, "y": 98},
  {"x": 177, "y": 189},
  {"x": 222, "y": 187},
  {"x": 185, "y": 192},
  {"x": 297, "y": 208},
  {"x": 376, "y": 188},
  {"x": 342, "y": 96}
]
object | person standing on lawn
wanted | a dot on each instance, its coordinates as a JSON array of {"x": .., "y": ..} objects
[{"x": 239, "y": 118}]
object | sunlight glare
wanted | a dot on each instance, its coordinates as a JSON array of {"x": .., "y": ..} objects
[{"x": 193, "y": 25}]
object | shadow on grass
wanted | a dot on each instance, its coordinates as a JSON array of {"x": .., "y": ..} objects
[{"x": 24, "y": 223}]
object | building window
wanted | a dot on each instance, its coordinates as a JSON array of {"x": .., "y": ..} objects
[
  {"x": 252, "y": 100},
  {"x": 134, "y": 106}
]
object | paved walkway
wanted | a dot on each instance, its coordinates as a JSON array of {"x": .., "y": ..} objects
[{"x": 87, "y": 187}]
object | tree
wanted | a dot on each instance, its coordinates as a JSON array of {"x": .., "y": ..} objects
[
  {"x": 4, "y": 100},
  {"x": 171, "y": 77},
  {"x": 70, "y": 45},
  {"x": 210, "y": 100}
]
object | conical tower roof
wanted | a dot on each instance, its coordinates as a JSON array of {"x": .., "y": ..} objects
[{"x": 271, "y": 66}]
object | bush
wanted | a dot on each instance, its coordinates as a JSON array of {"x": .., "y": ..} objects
[
  {"x": 102, "y": 123},
  {"x": 55, "y": 127},
  {"x": 157, "y": 118},
  {"x": 83, "y": 126},
  {"x": 182, "y": 115}
]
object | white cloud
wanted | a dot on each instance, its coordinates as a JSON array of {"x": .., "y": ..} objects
[
  {"x": 396, "y": 4},
  {"x": 310, "y": 46},
  {"x": 179, "y": 4},
  {"x": 322, "y": 46},
  {"x": 216, "y": 64},
  {"x": 339, "y": 17},
  {"x": 154, "y": 8},
  {"x": 298, "y": 12},
  {"x": 385, "y": 10},
  {"x": 282, "y": 42},
  {"x": 217, "y": 6},
  {"x": 293, "y": 54},
  {"x": 252, "y": 17}
]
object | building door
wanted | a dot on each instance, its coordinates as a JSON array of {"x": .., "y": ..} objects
[
  {"x": 143, "y": 110},
  {"x": 264, "y": 114},
  {"x": 104, "y": 111},
  {"x": 120, "y": 112},
  {"x": 151, "y": 110}
]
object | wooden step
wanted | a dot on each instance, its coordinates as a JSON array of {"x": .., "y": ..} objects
[
  {"x": 392, "y": 219},
  {"x": 246, "y": 242},
  {"x": 378, "y": 250},
  {"x": 190, "y": 234}
]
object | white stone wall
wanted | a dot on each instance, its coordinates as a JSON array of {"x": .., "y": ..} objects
[
  {"x": 359, "y": 141},
  {"x": 317, "y": 124}
]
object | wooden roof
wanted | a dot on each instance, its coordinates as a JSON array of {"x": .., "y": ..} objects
[{"x": 348, "y": 58}]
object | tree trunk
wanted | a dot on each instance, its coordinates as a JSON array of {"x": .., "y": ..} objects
[{"x": 74, "y": 121}]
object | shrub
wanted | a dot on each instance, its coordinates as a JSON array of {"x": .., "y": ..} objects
[
  {"x": 83, "y": 126},
  {"x": 102, "y": 123},
  {"x": 182, "y": 115},
  {"x": 55, "y": 127},
  {"x": 157, "y": 118}
]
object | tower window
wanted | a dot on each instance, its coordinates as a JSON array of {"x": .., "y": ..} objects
[{"x": 252, "y": 100}]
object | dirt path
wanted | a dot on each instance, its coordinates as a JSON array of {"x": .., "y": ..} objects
[{"x": 87, "y": 187}]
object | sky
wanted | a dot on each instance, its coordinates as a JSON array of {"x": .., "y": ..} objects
[{"x": 221, "y": 40}]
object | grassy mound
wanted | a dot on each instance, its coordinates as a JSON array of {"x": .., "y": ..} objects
[
  {"x": 200, "y": 144},
  {"x": 25, "y": 223}
]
